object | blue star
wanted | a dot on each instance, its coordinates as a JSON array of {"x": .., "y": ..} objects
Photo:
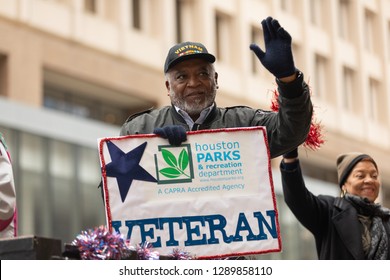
[{"x": 126, "y": 168}]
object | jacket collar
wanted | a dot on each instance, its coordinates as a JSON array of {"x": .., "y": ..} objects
[
  {"x": 348, "y": 227},
  {"x": 209, "y": 119}
]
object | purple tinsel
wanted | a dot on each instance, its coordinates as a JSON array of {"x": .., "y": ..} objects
[
  {"x": 178, "y": 254},
  {"x": 101, "y": 244},
  {"x": 144, "y": 252}
]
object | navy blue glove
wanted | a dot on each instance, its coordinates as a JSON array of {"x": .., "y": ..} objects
[
  {"x": 291, "y": 154},
  {"x": 176, "y": 134},
  {"x": 278, "y": 58}
]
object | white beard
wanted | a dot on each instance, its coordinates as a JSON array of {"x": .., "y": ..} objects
[{"x": 195, "y": 107}]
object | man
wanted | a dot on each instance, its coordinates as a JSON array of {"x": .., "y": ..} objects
[{"x": 192, "y": 84}]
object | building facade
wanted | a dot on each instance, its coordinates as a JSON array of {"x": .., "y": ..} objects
[{"x": 71, "y": 71}]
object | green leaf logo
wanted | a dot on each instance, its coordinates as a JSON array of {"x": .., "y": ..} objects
[{"x": 177, "y": 166}]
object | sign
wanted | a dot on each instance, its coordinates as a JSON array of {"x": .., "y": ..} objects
[{"x": 212, "y": 196}]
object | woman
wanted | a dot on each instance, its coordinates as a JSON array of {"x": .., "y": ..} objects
[{"x": 351, "y": 226}]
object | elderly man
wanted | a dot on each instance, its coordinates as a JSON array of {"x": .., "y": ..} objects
[{"x": 192, "y": 83}]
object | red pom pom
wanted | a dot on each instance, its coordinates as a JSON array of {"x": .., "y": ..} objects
[
  {"x": 315, "y": 138},
  {"x": 274, "y": 101}
]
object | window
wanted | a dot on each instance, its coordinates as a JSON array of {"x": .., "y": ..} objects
[
  {"x": 223, "y": 37},
  {"x": 90, "y": 6},
  {"x": 185, "y": 18},
  {"x": 33, "y": 195},
  {"x": 257, "y": 38},
  {"x": 388, "y": 40},
  {"x": 377, "y": 102},
  {"x": 292, "y": 7},
  {"x": 3, "y": 74},
  {"x": 178, "y": 14},
  {"x": 56, "y": 185},
  {"x": 373, "y": 99},
  {"x": 136, "y": 14},
  {"x": 316, "y": 12},
  {"x": 320, "y": 81},
  {"x": 88, "y": 100},
  {"x": 83, "y": 106},
  {"x": 369, "y": 32},
  {"x": 286, "y": 5},
  {"x": 105, "y": 9},
  {"x": 63, "y": 188},
  {"x": 348, "y": 88},
  {"x": 345, "y": 20},
  {"x": 88, "y": 174},
  {"x": 145, "y": 16}
]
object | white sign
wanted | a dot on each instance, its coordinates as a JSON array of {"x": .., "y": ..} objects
[{"x": 212, "y": 196}]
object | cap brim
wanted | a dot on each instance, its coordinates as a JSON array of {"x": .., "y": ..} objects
[{"x": 206, "y": 56}]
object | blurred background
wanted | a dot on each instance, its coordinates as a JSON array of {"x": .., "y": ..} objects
[{"x": 72, "y": 71}]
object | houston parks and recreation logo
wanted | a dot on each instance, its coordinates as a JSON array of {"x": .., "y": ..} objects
[{"x": 174, "y": 164}]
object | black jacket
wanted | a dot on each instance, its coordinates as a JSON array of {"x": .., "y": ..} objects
[{"x": 286, "y": 129}]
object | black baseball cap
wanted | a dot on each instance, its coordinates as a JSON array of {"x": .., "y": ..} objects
[{"x": 184, "y": 51}]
